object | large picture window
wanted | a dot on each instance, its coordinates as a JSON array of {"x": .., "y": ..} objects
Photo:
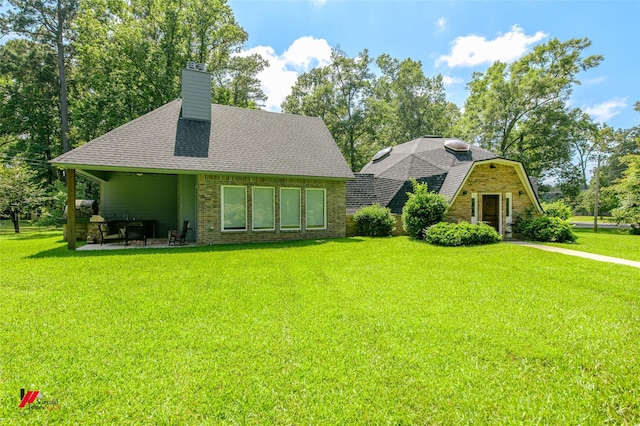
[
  {"x": 289, "y": 208},
  {"x": 316, "y": 209},
  {"x": 263, "y": 203},
  {"x": 234, "y": 208}
]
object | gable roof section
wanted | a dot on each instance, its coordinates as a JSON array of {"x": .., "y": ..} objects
[
  {"x": 237, "y": 141},
  {"x": 458, "y": 180},
  {"x": 454, "y": 179}
]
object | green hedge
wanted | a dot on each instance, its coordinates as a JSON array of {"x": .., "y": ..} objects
[
  {"x": 422, "y": 209},
  {"x": 461, "y": 234},
  {"x": 374, "y": 221},
  {"x": 545, "y": 228}
]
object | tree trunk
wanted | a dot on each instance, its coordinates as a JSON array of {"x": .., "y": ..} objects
[
  {"x": 64, "y": 112},
  {"x": 15, "y": 218}
]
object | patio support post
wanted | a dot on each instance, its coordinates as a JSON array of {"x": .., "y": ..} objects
[{"x": 71, "y": 209}]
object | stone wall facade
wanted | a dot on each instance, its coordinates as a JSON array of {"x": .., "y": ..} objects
[{"x": 209, "y": 205}]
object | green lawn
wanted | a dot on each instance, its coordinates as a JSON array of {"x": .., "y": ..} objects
[
  {"x": 608, "y": 242},
  {"x": 369, "y": 331},
  {"x": 26, "y": 227},
  {"x": 589, "y": 219}
]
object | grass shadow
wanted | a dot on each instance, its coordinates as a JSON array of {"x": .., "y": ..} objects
[{"x": 62, "y": 251}]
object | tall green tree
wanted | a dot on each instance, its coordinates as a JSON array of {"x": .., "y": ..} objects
[
  {"x": 49, "y": 22},
  {"x": 338, "y": 93},
  {"x": 29, "y": 105},
  {"x": 131, "y": 53},
  {"x": 406, "y": 104},
  {"x": 20, "y": 190},
  {"x": 628, "y": 192},
  {"x": 519, "y": 110}
]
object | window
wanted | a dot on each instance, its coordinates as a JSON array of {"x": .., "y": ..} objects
[
  {"x": 234, "y": 208},
  {"x": 316, "y": 209},
  {"x": 289, "y": 208},
  {"x": 509, "y": 207},
  {"x": 263, "y": 200},
  {"x": 474, "y": 207}
]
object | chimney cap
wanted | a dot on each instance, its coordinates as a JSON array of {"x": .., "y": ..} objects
[{"x": 194, "y": 66}]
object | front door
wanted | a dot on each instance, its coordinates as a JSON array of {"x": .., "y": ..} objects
[{"x": 490, "y": 211}]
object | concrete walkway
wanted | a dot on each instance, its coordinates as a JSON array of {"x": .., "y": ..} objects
[{"x": 576, "y": 253}]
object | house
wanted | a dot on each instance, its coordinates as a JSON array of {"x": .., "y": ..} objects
[
  {"x": 479, "y": 186},
  {"x": 237, "y": 175}
]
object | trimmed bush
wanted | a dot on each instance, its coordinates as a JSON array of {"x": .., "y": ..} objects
[
  {"x": 422, "y": 209},
  {"x": 374, "y": 221},
  {"x": 461, "y": 234},
  {"x": 557, "y": 209},
  {"x": 545, "y": 228}
]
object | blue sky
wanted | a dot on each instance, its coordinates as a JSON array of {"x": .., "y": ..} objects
[{"x": 452, "y": 38}]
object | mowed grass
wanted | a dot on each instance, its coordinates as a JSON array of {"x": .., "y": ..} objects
[
  {"x": 589, "y": 219},
  {"x": 608, "y": 242},
  {"x": 363, "y": 331}
]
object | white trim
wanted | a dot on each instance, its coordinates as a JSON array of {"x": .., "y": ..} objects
[
  {"x": 519, "y": 168},
  {"x": 299, "y": 209},
  {"x": 306, "y": 209},
  {"x": 508, "y": 230},
  {"x": 474, "y": 208},
  {"x": 253, "y": 208},
  {"x": 222, "y": 208}
]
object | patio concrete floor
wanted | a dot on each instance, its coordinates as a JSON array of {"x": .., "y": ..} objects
[{"x": 152, "y": 243}]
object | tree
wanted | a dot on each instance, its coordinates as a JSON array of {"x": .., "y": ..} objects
[
  {"x": 48, "y": 22},
  {"x": 365, "y": 113},
  {"x": 519, "y": 110},
  {"x": 29, "y": 105},
  {"x": 422, "y": 209},
  {"x": 405, "y": 104},
  {"x": 131, "y": 53},
  {"x": 628, "y": 191},
  {"x": 19, "y": 191},
  {"x": 337, "y": 93}
]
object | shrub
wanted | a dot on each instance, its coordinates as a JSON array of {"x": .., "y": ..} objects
[
  {"x": 422, "y": 209},
  {"x": 461, "y": 234},
  {"x": 545, "y": 228},
  {"x": 557, "y": 209},
  {"x": 374, "y": 221}
]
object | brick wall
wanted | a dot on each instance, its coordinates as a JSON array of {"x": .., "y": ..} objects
[
  {"x": 210, "y": 216},
  {"x": 486, "y": 180}
]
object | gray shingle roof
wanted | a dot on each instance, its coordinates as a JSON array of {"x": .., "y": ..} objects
[
  {"x": 426, "y": 160},
  {"x": 360, "y": 192},
  {"x": 237, "y": 140}
]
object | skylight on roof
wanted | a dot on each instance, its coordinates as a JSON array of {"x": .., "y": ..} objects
[
  {"x": 456, "y": 145},
  {"x": 382, "y": 154}
]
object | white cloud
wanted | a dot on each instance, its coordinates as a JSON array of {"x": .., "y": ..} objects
[
  {"x": 474, "y": 50},
  {"x": 441, "y": 24},
  {"x": 448, "y": 80},
  {"x": 318, "y": 2},
  {"x": 308, "y": 52},
  {"x": 607, "y": 109},
  {"x": 277, "y": 79}
]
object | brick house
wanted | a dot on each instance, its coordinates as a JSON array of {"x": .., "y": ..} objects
[
  {"x": 237, "y": 175},
  {"x": 479, "y": 186}
]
